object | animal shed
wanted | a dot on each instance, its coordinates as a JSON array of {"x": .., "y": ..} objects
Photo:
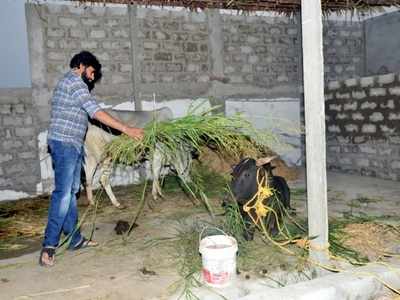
[{"x": 389, "y": 83}]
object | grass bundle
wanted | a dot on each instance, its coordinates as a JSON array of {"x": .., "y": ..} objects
[{"x": 228, "y": 135}]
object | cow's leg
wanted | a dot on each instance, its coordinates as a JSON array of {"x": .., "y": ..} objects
[
  {"x": 90, "y": 168},
  {"x": 105, "y": 170},
  {"x": 272, "y": 220},
  {"x": 182, "y": 163},
  {"x": 156, "y": 167}
]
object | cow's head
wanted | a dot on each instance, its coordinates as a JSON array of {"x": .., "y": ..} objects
[
  {"x": 243, "y": 184},
  {"x": 244, "y": 177}
]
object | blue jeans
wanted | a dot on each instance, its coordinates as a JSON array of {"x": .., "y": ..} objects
[{"x": 63, "y": 211}]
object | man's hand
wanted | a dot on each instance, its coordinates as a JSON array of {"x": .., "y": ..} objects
[
  {"x": 134, "y": 132},
  {"x": 107, "y": 119}
]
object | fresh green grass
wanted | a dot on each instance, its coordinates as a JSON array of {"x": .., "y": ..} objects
[{"x": 229, "y": 135}]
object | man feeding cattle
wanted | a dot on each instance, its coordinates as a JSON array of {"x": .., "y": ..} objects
[{"x": 72, "y": 104}]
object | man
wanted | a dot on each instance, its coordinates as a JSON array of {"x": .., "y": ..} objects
[{"x": 72, "y": 104}]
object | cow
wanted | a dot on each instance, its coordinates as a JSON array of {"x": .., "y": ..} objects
[
  {"x": 244, "y": 185},
  {"x": 98, "y": 136}
]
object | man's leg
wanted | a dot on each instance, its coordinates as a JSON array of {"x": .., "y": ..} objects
[
  {"x": 64, "y": 158},
  {"x": 71, "y": 219}
]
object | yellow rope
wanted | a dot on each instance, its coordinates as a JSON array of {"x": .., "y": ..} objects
[
  {"x": 263, "y": 192},
  {"x": 261, "y": 210}
]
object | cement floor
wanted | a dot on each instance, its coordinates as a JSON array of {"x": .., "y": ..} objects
[{"x": 109, "y": 274}]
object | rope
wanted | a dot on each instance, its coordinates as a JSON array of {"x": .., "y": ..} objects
[
  {"x": 263, "y": 192},
  {"x": 262, "y": 210}
]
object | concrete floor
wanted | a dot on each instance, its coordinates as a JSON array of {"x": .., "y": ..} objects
[
  {"x": 347, "y": 195},
  {"x": 107, "y": 277},
  {"x": 354, "y": 194}
]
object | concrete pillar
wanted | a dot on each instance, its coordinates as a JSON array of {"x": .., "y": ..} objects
[
  {"x": 135, "y": 73},
  {"x": 38, "y": 63},
  {"x": 41, "y": 94},
  {"x": 314, "y": 105},
  {"x": 215, "y": 38}
]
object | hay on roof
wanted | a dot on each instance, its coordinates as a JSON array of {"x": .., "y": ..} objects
[{"x": 288, "y": 7}]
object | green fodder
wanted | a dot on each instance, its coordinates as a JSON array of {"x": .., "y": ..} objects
[
  {"x": 188, "y": 261},
  {"x": 233, "y": 223},
  {"x": 183, "y": 249},
  {"x": 229, "y": 135}
]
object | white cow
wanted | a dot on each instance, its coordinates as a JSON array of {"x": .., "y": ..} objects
[{"x": 97, "y": 138}]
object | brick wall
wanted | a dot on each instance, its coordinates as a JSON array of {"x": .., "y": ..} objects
[
  {"x": 175, "y": 47},
  {"x": 344, "y": 53},
  {"x": 363, "y": 126},
  {"x": 105, "y": 31},
  {"x": 167, "y": 52},
  {"x": 166, "y": 55},
  {"x": 19, "y": 166},
  {"x": 263, "y": 51}
]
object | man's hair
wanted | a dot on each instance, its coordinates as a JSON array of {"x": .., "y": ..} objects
[{"x": 87, "y": 59}]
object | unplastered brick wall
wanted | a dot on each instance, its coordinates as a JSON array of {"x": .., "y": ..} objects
[
  {"x": 143, "y": 50},
  {"x": 19, "y": 166},
  {"x": 174, "y": 47},
  {"x": 363, "y": 126},
  {"x": 105, "y": 31},
  {"x": 174, "y": 54},
  {"x": 261, "y": 50},
  {"x": 344, "y": 54},
  {"x": 266, "y": 50}
]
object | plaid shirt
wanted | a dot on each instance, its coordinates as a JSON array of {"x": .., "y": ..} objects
[{"x": 70, "y": 106}]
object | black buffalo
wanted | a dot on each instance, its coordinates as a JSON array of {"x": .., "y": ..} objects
[{"x": 244, "y": 185}]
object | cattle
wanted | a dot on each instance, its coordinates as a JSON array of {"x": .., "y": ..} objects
[
  {"x": 98, "y": 136},
  {"x": 244, "y": 185}
]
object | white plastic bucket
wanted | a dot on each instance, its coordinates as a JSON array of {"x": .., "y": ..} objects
[{"x": 218, "y": 254}]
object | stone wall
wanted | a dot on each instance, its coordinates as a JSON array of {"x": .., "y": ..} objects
[
  {"x": 363, "y": 126},
  {"x": 19, "y": 165}
]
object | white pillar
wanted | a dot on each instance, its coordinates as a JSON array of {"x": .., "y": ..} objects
[{"x": 313, "y": 70}]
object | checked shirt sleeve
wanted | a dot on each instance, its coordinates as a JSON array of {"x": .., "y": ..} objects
[{"x": 87, "y": 102}]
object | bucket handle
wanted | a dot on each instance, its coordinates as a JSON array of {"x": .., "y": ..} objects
[{"x": 208, "y": 227}]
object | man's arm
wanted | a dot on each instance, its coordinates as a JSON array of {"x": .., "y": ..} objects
[{"x": 107, "y": 119}]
